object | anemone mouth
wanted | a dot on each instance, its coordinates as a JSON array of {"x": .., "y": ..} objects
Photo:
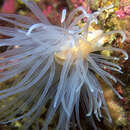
[
  {"x": 79, "y": 45},
  {"x": 81, "y": 48}
]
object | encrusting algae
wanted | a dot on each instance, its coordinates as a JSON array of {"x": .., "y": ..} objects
[{"x": 59, "y": 65}]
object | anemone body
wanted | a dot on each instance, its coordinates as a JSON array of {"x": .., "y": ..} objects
[{"x": 59, "y": 65}]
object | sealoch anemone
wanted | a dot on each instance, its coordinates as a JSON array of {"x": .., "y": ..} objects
[{"x": 56, "y": 64}]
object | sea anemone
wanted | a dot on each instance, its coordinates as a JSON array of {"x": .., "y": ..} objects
[{"x": 56, "y": 64}]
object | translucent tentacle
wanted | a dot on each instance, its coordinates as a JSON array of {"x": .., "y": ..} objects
[{"x": 35, "y": 9}]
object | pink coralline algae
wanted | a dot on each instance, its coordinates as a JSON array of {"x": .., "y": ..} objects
[
  {"x": 123, "y": 11},
  {"x": 120, "y": 13},
  {"x": 47, "y": 11},
  {"x": 77, "y": 3},
  {"x": 9, "y": 6},
  {"x": 127, "y": 10}
]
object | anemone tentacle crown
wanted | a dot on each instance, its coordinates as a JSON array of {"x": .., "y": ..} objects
[{"x": 59, "y": 65}]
